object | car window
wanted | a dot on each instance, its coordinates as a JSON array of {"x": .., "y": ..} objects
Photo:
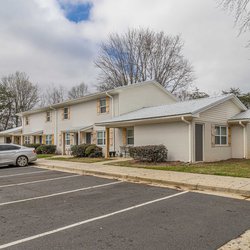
[{"x": 8, "y": 147}]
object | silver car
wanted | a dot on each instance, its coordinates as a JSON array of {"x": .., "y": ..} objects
[{"x": 12, "y": 154}]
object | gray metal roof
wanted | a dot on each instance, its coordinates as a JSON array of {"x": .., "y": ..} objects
[
  {"x": 12, "y": 130},
  {"x": 191, "y": 107},
  {"x": 245, "y": 115}
]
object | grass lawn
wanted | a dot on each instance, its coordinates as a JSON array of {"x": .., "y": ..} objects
[
  {"x": 75, "y": 159},
  {"x": 41, "y": 156},
  {"x": 236, "y": 168}
]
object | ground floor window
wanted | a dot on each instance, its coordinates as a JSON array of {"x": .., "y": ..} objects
[
  {"x": 130, "y": 136},
  {"x": 26, "y": 139},
  {"x": 221, "y": 135},
  {"x": 101, "y": 138},
  {"x": 48, "y": 140},
  {"x": 67, "y": 139}
]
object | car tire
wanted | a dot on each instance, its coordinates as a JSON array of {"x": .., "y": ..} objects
[{"x": 22, "y": 161}]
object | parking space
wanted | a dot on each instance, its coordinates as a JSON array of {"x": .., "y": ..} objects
[{"x": 56, "y": 210}]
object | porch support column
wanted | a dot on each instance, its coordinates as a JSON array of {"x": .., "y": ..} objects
[
  {"x": 107, "y": 143},
  {"x": 21, "y": 140},
  {"x": 12, "y": 139},
  {"x": 79, "y": 137},
  {"x": 63, "y": 143}
]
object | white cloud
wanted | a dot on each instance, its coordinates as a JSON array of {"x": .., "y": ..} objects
[{"x": 38, "y": 39}]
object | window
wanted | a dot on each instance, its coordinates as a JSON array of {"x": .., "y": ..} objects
[
  {"x": 101, "y": 138},
  {"x": 8, "y": 147},
  {"x": 130, "y": 136},
  {"x": 26, "y": 120},
  {"x": 48, "y": 116},
  {"x": 48, "y": 139},
  {"x": 103, "y": 105},
  {"x": 66, "y": 113},
  {"x": 221, "y": 137},
  {"x": 26, "y": 139},
  {"x": 67, "y": 139}
]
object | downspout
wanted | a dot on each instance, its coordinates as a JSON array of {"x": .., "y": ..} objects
[
  {"x": 244, "y": 138},
  {"x": 189, "y": 138},
  {"x": 112, "y": 111},
  {"x": 56, "y": 124}
]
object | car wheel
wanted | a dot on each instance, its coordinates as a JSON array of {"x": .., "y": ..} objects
[{"x": 22, "y": 161}]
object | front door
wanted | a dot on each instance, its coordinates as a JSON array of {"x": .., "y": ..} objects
[
  {"x": 198, "y": 142},
  {"x": 88, "y": 138}
]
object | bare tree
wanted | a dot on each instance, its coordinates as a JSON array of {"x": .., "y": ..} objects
[
  {"x": 140, "y": 55},
  {"x": 53, "y": 95},
  {"x": 21, "y": 95},
  {"x": 241, "y": 12},
  {"x": 78, "y": 91}
]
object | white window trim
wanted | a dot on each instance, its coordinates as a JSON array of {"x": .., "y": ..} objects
[
  {"x": 130, "y": 137},
  {"x": 103, "y": 106},
  {"x": 67, "y": 139},
  {"x": 48, "y": 115},
  {"x": 220, "y": 135},
  {"x": 103, "y": 138},
  {"x": 48, "y": 139},
  {"x": 65, "y": 113},
  {"x": 27, "y": 140}
]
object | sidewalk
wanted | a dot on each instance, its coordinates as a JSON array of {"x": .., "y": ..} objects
[{"x": 233, "y": 185}]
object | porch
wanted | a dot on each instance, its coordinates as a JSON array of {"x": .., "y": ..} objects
[
  {"x": 124, "y": 137},
  {"x": 75, "y": 136}
]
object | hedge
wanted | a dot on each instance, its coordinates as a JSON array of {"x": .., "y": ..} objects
[
  {"x": 32, "y": 145},
  {"x": 86, "y": 150},
  {"x": 149, "y": 153},
  {"x": 46, "y": 149}
]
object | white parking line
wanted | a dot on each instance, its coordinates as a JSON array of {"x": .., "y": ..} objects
[
  {"x": 34, "y": 172},
  {"x": 61, "y": 193},
  {"x": 31, "y": 182},
  {"x": 87, "y": 221}
]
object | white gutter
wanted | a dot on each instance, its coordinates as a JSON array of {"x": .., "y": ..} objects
[
  {"x": 112, "y": 101},
  {"x": 56, "y": 124},
  {"x": 189, "y": 138},
  {"x": 244, "y": 137},
  {"x": 112, "y": 113}
]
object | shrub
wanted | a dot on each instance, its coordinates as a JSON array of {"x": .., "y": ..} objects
[
  {"x": 150, "y": 153},
  {"x": 33, "y": 145},
  {"x": 46, "y": 149},
  {"x": 79, "y": 150},
  {"x": 93, "y": 151}
]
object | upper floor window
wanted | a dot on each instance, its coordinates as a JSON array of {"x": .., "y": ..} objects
[
  {"x": 48, "y": 139},
  {"x": 101, "y": 138},
  {"x": 130, "y": 136},
  {"x": 103, "y": 105},
  {"x": 65, "y": 113},
  {"x": 26, "y": 120},
  {"x": 221, "y": 135},
  {"x": 48, "y": 116}
]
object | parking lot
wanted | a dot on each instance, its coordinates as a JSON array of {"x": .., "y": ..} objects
[{"x": 44, "y": 209}]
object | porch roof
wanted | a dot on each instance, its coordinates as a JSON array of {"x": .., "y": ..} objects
[
  {"x": 39, "y": 132},
  {"x": 11, "y": 131},
  {"x": 187, "y": 108},
  {"x": 78, "y": 129},
  {"x": 245, "y": 115}
]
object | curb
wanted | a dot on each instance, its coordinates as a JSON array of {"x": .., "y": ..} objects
[{"x": 173, "y": 184}]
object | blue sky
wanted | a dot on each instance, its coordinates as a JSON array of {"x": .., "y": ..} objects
[
  {"x": 57, "y": 41},
  {"x": 76, "y": 12}
]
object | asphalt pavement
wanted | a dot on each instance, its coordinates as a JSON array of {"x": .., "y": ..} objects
[{"x": 43, "y": 209}]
